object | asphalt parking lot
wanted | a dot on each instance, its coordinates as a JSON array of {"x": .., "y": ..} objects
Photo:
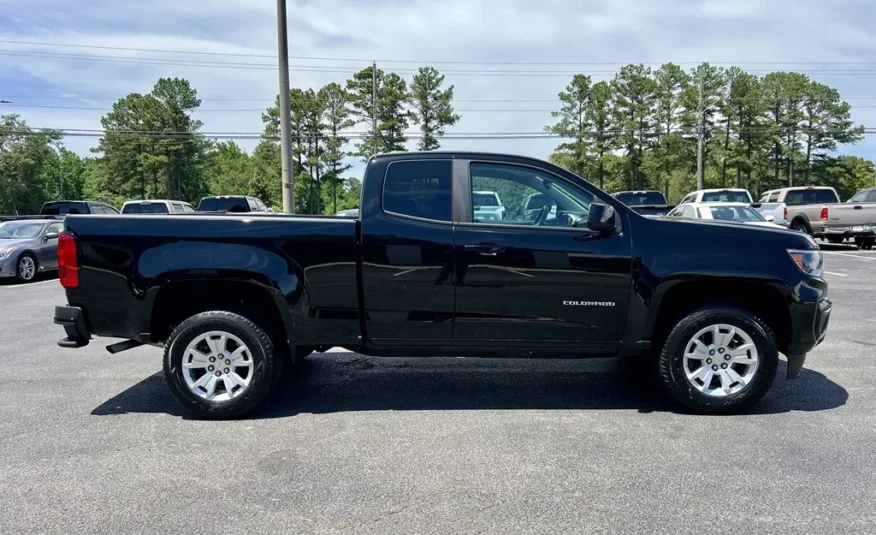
[{"x": 94, "y": 443}]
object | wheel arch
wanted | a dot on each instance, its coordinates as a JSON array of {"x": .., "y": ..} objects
[
  {"x": 176, "y": 301},
  {"x": 801, "y": 218},
  {"x": 767, "y": 300}
]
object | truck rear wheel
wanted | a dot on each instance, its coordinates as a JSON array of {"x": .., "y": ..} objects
[
  {"x": 219, "y": 364},
  {"x": 719, "y": 360}
]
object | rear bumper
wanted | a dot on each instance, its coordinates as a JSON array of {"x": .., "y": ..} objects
[
  {"x": 73, "y": 321},
  {"x": 848, "y": 231}
]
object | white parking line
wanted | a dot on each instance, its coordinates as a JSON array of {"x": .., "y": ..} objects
[
  {"x": 837, "y": 274},
  {"x": 850, "y": 255},
  {"x": 28, "y": 284}
]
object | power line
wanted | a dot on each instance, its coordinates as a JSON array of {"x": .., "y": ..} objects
[
  {"x": 426, "y": 62},
  {"x": 527, "y": 73}
]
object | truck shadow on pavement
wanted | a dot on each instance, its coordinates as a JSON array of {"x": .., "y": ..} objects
[{"x": 331, "y": 383}]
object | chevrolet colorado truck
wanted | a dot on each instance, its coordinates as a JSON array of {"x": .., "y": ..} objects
[{"x": 235, "y": 298}]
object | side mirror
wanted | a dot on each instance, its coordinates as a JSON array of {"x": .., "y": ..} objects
[
  {"x": 769, "y": 219},
  {"x": 51, "y": 235},
  {"x": 601, "y": 218}
]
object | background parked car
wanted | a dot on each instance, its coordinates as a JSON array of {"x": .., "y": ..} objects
[
  {"x": 645, "y": 202},
  {"x": 352, "y": 212},
  {"x": 738, "y": 212},
  {"x": 766, "y": 208},
  {"x": 817, "y": 211},
  {"x": 487, "y": 206},
  {"x": 76, "y": 207},
  {"x": 157, "y": 207},
  {"x": 29, "y": 247},
  {"x": 233, "y": 203}
]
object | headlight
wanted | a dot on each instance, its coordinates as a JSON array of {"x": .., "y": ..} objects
[
  {"x": 4, "y": 253},
  {"x": 808, "y": 260}
]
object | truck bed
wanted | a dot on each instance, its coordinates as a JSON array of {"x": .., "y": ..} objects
[{"x": 130, "y": 265}]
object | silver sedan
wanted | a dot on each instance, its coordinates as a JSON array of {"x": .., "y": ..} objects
[{"x": 29, "y": 247}]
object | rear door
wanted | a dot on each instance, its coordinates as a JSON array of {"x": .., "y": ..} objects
[
  {"x": 539, "y": 276},
  {"x": 407, "y": 251}
]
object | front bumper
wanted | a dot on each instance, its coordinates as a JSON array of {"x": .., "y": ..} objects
[
  {"x": 812, "y": 328},
  {"x": 73, "y": 321},
  {"x": 8, "y": 267}
]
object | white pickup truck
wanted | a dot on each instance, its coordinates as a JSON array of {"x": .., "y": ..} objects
[
  {"x": 817, "y": 210},
  {"x": 774, "y": 210}
]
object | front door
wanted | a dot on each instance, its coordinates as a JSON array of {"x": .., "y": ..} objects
[
  {"x": 539, "y": 273},
  {"x": 48, "y": 251}
]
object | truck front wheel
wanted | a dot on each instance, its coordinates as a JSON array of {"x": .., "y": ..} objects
[
  {"x": 719, "y": 360},
  {"x": 219, "y": 364}
]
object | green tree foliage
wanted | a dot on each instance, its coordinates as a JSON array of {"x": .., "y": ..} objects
[
  {"x": 574, "y": 123},
  {"x": 29, "y": 166},
  {"x": 151, "y": 145},
  {"x": 760, "y": 132},
  {"x": 393, "y": 118},
  {"x": 635, "y": 93},
  {"x": 434, "y": 106},
  {"x": 336, "y": 118}
]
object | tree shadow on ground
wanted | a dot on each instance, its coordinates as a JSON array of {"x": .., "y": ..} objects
[{"x": 331, "y": 383}]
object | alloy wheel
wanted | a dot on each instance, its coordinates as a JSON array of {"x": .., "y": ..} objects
[
  {"x": 217, "y": 366},
  {"x": 720, "y": 360}
]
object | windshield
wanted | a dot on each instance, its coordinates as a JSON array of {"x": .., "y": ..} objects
[
  {"x": 643, "y": 198},
  {"x": 15, "y": 230},
  {"x": 485, "y": 199},
  {"x": 145, "y": 208},
  {"x": 726, "y": 196},
  {"x": 735, "y": 213}
]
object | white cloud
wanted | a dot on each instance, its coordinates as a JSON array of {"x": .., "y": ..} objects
[{"x": 454, "y": 30}]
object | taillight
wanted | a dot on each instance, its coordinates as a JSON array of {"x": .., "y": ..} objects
[
  {"x": 785, "y": 214},
  {"x": 68, "y": 261},
  {"x": 824, "y": 214}
]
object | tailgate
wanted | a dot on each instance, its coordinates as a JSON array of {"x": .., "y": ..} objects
[{"x": 846, "y": 215}]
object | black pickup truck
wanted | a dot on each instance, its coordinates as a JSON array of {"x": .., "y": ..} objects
[{"x": 235, "y": 298}]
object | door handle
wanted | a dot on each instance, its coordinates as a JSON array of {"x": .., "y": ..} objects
[
  {"x": 859, "y": 207},
  {"x": 485, "y": 249}
]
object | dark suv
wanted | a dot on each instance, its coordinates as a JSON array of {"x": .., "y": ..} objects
[
  {"x": 232, "y": 203},
  {"x": 76, "y": 207}
]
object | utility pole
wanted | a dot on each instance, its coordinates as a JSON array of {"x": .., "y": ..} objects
[
  {"x": 701, "y": 178},
  {"x": 374, "y": 108},
  {"x": 285, "y": 111}
]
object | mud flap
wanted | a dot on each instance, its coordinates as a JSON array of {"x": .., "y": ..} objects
[{"x": 795, "y": 365}]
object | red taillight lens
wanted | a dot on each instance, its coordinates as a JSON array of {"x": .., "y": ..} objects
[
  {"x": 824, "y": 214},
  {"x": 785, "y": 214},
  {"x": 68, "y": 261}
]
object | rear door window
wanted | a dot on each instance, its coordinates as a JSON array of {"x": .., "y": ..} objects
[
  {"x": 795, "y": 198},
  {"x": 419, "y": 189},
  {"x": 187, "y": 208},
  {"x": 177, "y": 208},
  {"x": 872, "y": 196}
]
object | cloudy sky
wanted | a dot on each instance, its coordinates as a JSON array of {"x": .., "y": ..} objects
[{"x": 465, "y": 38}]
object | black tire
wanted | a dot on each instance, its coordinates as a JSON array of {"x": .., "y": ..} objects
[
  {"x": 260, "y": 348},
  {"x": 801, "y": 226},
  {"x": 835, "y": 239},
  {"x": 36, "y": 267},
  {"x": 671, "y": 362}
]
